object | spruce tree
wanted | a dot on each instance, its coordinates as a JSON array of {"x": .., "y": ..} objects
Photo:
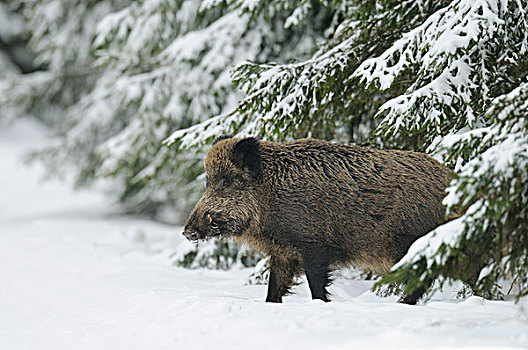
[{"x": 468, "y": 99}]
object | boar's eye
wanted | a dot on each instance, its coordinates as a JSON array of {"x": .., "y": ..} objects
[{"x": 212, "y": 222}]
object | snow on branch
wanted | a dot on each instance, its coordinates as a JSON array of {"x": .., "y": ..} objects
[
  {"x": 291, "y": 91},
  {"x": 445, "y": 55},
  {"x": 203, "y": 132},
  {"x": 491, "y": 184},
  {"x": 437, "y": 39},
  {"x": 284, "y": 89},
  {"x": 185, "y": 83}
]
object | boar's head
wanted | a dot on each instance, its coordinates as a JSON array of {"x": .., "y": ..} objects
[{"x": 229, "y": 205}]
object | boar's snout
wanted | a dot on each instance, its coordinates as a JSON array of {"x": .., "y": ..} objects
[{"x": 191, "y": 234}]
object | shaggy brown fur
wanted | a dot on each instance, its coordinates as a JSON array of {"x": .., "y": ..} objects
[{"x": 314, "y": 205}]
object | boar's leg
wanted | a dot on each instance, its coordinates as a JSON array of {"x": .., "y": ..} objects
[
  {"x": 283, "y": 269},
  {"x": 317, "y": 272},
  {"x": 412, "y": 299},
  {"x": 471, "y": 282},
  {"x": 274, "y": 294},
  {"x": 472, "y": 273}
]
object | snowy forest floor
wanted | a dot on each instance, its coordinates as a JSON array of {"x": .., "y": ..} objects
[{"x": 75, "y": 274}]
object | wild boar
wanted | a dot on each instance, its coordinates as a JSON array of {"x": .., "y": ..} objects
[{"x": 315, "y": 206}]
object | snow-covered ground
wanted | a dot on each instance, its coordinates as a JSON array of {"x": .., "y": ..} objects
[{"x": 74, "y": 274}]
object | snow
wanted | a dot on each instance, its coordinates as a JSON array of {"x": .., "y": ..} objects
[
  {"x": 11, "y": 24},
  {"x": 77, "y": 274},
  {"x": 448, "y": 65}
]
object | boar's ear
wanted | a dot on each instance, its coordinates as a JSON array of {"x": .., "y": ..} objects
[
  {"x": 220, "y": 138},
  {"x": 246, "y": 154}
]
